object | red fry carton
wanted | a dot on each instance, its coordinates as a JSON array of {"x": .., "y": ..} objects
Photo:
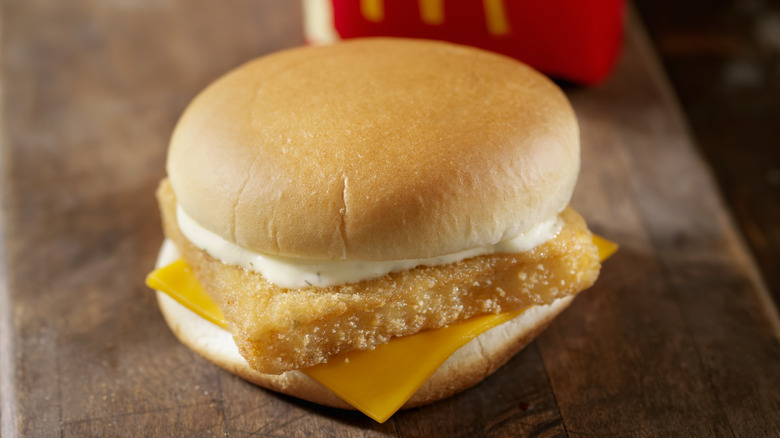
[{"x": 576, "y": 40}]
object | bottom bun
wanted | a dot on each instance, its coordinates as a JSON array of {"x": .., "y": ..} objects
[{"x": 470, "y": 364}]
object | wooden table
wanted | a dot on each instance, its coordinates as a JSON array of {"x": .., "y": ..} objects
[
  {"x": 678, "y": 338},
  {"x": 723, "y": 59}
]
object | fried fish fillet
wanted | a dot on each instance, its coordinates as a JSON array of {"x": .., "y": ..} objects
[{"x": 279, "y": 329}]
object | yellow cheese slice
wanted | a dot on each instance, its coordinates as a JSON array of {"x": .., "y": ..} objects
[
  {"x": 391, "y": 373},
  {"x": 376, "y": 382},
  {"x": 606, "y": 247},
  {"x": 178, "y": 281}
]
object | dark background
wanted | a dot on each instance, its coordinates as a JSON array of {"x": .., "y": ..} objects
[{"x": 723, "y": 61}]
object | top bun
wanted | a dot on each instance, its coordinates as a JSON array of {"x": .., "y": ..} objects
[{"x": 375, "y": 149}]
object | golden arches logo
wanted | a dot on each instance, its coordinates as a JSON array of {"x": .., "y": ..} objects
[{"x": 432, "y": 12}]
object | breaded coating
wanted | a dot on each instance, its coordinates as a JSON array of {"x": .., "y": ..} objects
[{"x": 278, "y": 329}]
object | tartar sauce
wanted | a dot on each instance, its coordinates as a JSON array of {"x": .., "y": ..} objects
[{"x": 293, "y": 273}]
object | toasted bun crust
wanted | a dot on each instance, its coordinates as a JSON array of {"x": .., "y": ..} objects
[
  {"x": 464, "y": 369},
  {"x": 375, "y": 149}
]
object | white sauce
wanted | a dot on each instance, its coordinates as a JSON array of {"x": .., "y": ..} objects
[{"x": 291, "y": 273}]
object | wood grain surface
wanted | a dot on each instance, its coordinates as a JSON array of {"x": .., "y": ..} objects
[
  {"x": 723, "y": 59},
  {"x": 678, "y": 338}
]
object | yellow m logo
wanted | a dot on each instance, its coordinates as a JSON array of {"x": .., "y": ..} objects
[{"x": 432, "y": 12}]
